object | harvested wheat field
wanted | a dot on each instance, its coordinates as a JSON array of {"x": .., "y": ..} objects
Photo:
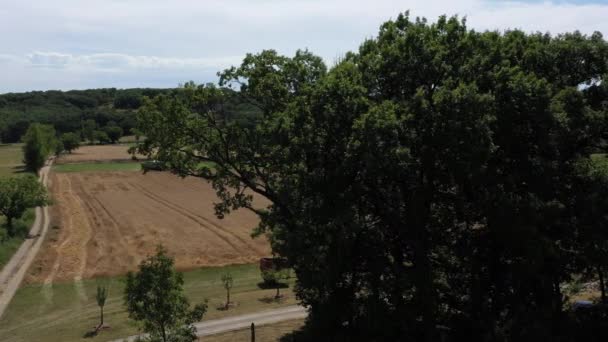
[
  {"x": 105, "y": 223},
  {"x": 97, "y": 153}
]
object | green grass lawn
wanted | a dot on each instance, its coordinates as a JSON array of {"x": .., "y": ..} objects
[
  {"x": 84, "y": 167},
  {"x": 11, "y": 157},
  {"x": 65, "y": 311}
]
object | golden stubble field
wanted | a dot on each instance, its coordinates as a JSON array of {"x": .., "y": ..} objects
[{"x": 105, "y": 223}]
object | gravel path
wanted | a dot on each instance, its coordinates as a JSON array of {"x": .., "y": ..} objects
[{"x": 223, "y": 325}]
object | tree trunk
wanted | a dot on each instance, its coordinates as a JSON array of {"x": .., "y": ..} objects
[
  {"x": 423, "y": 277},
  {"x": 162, "y": 329},
  {"x": 600, "y": 274},
  {"x": 558, "y": 297},
  {"x": 227, "y": 298},
  {"x": 425, "y": 292},
  {"x": 278, "y": 295},
  {"x": 101, "y": 325}
]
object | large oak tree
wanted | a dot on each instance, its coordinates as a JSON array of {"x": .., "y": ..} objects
[{"x": 422, "y": 185}]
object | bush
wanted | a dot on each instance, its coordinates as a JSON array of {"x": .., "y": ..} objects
[{"x": 101, "y": 137}]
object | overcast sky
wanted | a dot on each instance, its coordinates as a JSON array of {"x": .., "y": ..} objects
[{"x": 79, "y": 44}]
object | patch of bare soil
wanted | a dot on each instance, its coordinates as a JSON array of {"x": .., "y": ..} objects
[{"x": 105, "y": 223}]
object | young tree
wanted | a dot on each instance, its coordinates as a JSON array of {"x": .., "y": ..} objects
[
  {"x": 154, "y": 297},
  {"x": 101, "y": 296},
  {"x": 18, "y": 194},
  {"x": 227, "y": 281},
  {"x": 276, "y": 277},
  {"x": 114, "y": 133},
  {"x": 70, "y": 141}
]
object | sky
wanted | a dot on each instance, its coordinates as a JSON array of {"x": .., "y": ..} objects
[{"x": 81, "y": 44}]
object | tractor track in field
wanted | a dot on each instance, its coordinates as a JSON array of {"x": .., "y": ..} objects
[
  {"x": 204, "y": 222},
  {"x": 108, "y": 221}
]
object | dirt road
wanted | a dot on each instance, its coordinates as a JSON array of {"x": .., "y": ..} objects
[
  {"x": 14, "y": 271},
  {"x": 218, "y": 326}
]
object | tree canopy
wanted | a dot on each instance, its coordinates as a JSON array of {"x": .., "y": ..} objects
[
  {"x": 424, "y": 185},
  {"x": 154, "y": 297},
  {"x": 70, "y": 141},
  {"x": 40, "y": 142},
  {"x": 83, "y": 111},
  {"x": 18, "y": 194}
]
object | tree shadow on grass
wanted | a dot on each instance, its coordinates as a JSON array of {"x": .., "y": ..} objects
[
  {"x": 90, "y": 334},
  {"x": 272, "y": 286},
  {"x": 297, "y": 335}
]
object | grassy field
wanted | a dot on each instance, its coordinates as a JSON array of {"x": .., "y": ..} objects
[
  {"x": 11, "y": 157},
  {"x": 84, "y": 167},
  {"x": 66, "y": 311},
  {"x": 265, "y": 333}
]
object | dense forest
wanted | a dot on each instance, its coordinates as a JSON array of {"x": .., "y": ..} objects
[{"x": 74, "y": 110}]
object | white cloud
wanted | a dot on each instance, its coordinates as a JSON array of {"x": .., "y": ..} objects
[
  {"x": 121, "y": 62},
  {"x": 75, "y": 44}
]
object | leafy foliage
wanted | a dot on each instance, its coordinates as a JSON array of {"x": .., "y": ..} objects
[
  {"x": 101, "y": 296},
  {"x": 101, "y": 137},
  {"x": 424, "y": 185},
  {"x": 154, "y": 296},
  {"x": 227, "y": 282},
  {"x": 70, "y": 141},
  {"x": 17, "y": 194},
  {"x": 39, "y": 143},
  {"x": 85, "y": 111},
  {"x": 276, "y": 277},
  {"x": 114, "y": 133}
]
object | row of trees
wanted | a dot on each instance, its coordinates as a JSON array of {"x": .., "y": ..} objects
[
  {"x": 40, "y": 142},
  {"x": 111, "y": 133},
  {"x": 437, "y": 181},
  {"x": 66, "y": 110},
  {"x": 21, "y": 192}
]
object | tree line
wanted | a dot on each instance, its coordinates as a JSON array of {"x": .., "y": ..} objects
[
  {"x": 437, "y": 183},
  {"x": 96, "y": 114}
]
